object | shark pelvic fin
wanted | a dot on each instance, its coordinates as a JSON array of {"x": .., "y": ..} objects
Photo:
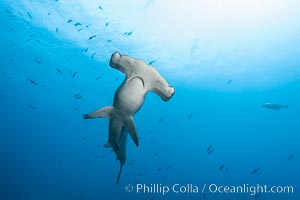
[
  {"x": 105, "y": 112},
  {"x": 130, "y": 127}
]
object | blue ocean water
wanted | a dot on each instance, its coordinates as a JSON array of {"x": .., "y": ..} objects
[{"x": 225, "y": 60}]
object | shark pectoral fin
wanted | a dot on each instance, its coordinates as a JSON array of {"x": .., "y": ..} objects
[
  {"x": 105, "y": 112},
  {"x": 107, "y": 145},
  {"x": 130, "y": 127}
]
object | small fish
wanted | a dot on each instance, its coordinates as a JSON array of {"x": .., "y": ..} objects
[
  {"x": 56, "y": 30},
  {"x": 255, "y": 170},
  {"x": 38, "y": 41},
  {"x": 275, "y": 106},
  {"x": 69, "y": 21},
  {"x": 151, "y": 62},
  {"x": 190, "y": 115},
  {"x": 75, "y": 95},
  {"x": 58, "y": 71},
  {"x": 155, "y": 154},
  {"x": 107, "y": 23},
  {"x": 98, "y": 77},
  {"x": 32, "y": 82},
  {"x": 149, "y": 132},
  {"x": 109, "y": 40},
  {"x": 100, "y": 7},
  {"x": 76, "y": 109},
  {"x": 8, "y": 11},
  {"x": 77, "y": 24},
  {"x": 161, "y": 119},
  {"x": 29, "y": 15},
  {"x": 209, "y": 148},
  {"x": 84, "y": 139},
  {"x": 85, "y": 50},
  {"x": 93, "y": 55},
  {"x": 28, "y": 40},
  {"x": 291, "y": 157},
  {"x": 159, "y": 169},
  {"x": 227, "y": 170},
  {"x": 169, "y": 167},
  {"x": 80, "y": 29},
  {"x": 78, "y": 96},
  {"x": 221, "y": 167},
  {"x": 209, "y": 152},
  {"x": 128, "y": 33},
  {"x": 75, "y": 73},
  {"x": 32, "y": 107},
  {"x": 93, "y": 36},
  {"x": 229, "y": 81}
]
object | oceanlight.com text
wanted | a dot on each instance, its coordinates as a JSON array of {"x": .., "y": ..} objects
[
  {"x": 212, "y": 188},
  {"x": 249, "y": 189}
]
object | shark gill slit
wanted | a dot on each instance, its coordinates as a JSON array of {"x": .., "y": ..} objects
[{"x": 140, "y": 79}]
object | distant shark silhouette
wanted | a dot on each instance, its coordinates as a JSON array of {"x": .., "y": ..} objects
[
  {"x": 128, "y": 99},
  {"x": 274, "y": 106}
]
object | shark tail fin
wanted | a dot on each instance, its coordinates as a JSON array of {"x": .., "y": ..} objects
[
  {"x": 105, "y": 112},
  {"x": 130, "y": 127},
  {"x": 119, "y": 174}
]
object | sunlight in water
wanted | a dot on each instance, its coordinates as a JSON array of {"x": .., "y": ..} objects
[{"x": 198, "y": 42}]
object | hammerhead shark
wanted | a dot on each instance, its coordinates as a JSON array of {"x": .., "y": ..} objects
[{"x": 128, "y": 99}]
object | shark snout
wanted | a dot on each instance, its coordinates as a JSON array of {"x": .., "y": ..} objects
[
  {"x": 115, "y": 60},
  {"x": 170, "y": 91},
  {"x": 116, "y": 55}
]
